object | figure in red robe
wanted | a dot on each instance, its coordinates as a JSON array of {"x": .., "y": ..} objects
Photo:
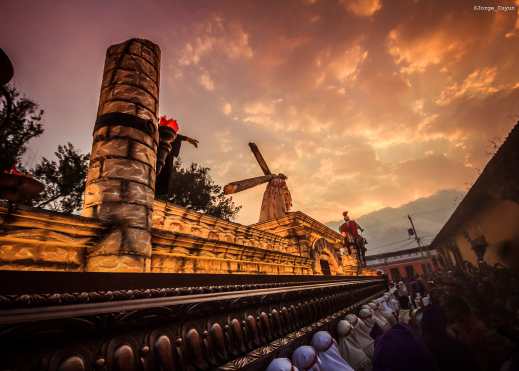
[
  {"x": 350, "y": 231},
  {"x": 166, "y": 160}
]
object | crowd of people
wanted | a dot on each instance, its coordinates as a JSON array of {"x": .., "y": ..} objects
[{"x": 454, "y": 320}]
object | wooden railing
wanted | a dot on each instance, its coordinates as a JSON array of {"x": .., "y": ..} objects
[{"x": 105, "y": 321}]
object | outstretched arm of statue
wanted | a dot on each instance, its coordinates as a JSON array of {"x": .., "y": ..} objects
[{"x": 192, "y": 141}]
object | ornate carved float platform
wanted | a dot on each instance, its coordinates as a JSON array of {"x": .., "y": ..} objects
[
  {"x": 183, "y": 241},
  {"x": 121, "y": 321},
  {"x": 137, "y": 284}
]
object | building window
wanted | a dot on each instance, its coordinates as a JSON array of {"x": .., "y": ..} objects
[
  {"x": 395, "y": 274},
  {"x": 409, "y": 271}
]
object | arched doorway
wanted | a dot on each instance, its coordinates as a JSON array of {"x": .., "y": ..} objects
[
  {"x": 325, "y": 267},
  {"x": 326, "y": 258}
]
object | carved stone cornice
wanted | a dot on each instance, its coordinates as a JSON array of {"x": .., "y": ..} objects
[
  {"x": 298, "y": 219},
  {"x": 38, "y": 239},
  {"x": 174, "y": 218},
  {"x": 214, "y": 256}
]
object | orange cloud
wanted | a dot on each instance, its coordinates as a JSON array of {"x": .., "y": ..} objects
[
  {"x": 364, "y": 104},
  {"x": 416, "y": 55},
  {"x": 362, "y": 8}
]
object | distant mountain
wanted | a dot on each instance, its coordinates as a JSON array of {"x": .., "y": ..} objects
[{"x": 386, "y": 229}]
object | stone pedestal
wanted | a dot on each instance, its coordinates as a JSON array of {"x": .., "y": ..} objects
[{"x": 121, "y": 179}]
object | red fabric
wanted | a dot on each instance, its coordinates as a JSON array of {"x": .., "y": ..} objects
[
  {"x": 350, "y": 227},
  {"x": 13, "y": 171},
  {"x": 172, "y": 123}
]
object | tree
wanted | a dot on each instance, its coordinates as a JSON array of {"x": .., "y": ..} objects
[
  {"x": 194, "y": 189},
  {"x": 64, "y": 179},
  {"x": 19, "y": 122}
]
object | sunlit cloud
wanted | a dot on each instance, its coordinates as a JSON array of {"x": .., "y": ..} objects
[
  {"x": 362, "y": 104},
  {"x": 216, "y": 35},
  {"x": 206, "y": 81},
  {"x": 416, "y": 55},
  {"x": 362, "y": 8},
  {"x": 479, "y": 82},
  {"x": 227, "y": 108}
]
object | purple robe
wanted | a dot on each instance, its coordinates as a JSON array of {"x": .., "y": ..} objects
[
  {"x": 399, "y": 350},
  {"x": 449, "y": 353}
]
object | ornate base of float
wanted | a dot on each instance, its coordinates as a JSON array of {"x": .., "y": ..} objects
[{"x": 174, "y": 322}]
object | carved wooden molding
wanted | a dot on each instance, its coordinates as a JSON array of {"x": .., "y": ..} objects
[
  {"x": 259, "y": 358},
  {"x": 199, "y": 330}
]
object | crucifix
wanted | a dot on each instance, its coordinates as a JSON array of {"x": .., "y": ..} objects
[{"x": 276, "y": 199}]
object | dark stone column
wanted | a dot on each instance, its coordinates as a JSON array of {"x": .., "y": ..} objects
[{"x": 121, "y": 179}]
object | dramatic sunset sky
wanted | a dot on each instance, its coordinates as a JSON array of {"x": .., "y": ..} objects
[{"x": 362, "y": 104}]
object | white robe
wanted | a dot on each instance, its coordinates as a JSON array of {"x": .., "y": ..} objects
[
  {"x": 363, "y": 327},
  {"x": 305, "y": 358},
  {"x": 379, "y": 318},
  {"x": 361, "y": 337},
  {"x": 355, "y": 356},
  {"x": 388, "y": 313},
  {"x": 350, "y": 349},
  {"x": 281, "y": 364},
  {"x": 395, "y": 305},
  {"x": 329, "y": 358}
]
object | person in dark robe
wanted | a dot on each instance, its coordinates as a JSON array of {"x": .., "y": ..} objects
[
  {"x": 164, "y": 178},
  {"x": 469, "y": 328},
  {"x": 400, "y": 350},
  {"x": 449, "y": 353}
]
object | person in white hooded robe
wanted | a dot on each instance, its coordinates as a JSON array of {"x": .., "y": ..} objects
[
  {"x": 281, "y": 364},
  {"x": 366, "y": 315},
  {"x": 361, "y": 335},
  {"x": 305, "y": 359},
  {"x": 395, "y": 304},
  {"x": 357, "y": 324},
  {"x": 328, "y": 356},
  {"x": 349, "y": 349},
  {"x": 378, "y": 317},
  {"x": 386, "y": 310}
]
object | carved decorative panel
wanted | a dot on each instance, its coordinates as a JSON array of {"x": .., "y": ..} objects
[{"x": 226, "y": 327}]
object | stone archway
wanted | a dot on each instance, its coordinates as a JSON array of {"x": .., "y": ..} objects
[{"x": 324, "y": 255}]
